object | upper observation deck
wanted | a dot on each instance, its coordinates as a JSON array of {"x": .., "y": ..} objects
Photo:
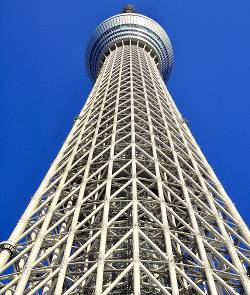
[{"x": 122, "y": 28}]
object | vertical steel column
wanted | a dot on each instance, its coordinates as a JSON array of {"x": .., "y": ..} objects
[
  {"x": 103, "y": 238},
  {"x": 39, "y": 239},
  {"x": 166, "y": 229},
  {"x": 136, "y": 251},
  {"x": 61, "y": 276},
  {"x": 201, "y": 248}
]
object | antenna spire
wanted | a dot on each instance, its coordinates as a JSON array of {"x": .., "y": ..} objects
[{"x": 129, "y": 8}]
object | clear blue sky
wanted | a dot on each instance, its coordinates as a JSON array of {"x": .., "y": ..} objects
[{"x": 43, "y": 85}]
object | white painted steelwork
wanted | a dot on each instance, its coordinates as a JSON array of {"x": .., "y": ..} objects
[{"x": 130, "y": 205}]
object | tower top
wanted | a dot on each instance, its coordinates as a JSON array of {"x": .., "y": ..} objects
[
  {"x": 129, "y": 8},
  {"x": 125, "y": 27}
]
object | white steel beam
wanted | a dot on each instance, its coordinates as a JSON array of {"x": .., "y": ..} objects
[{"x": 130, "y": 205}]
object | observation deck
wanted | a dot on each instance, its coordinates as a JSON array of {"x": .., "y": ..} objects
[{"x": 122, "y": 28}]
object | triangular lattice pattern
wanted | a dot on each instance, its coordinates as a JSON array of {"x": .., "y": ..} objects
[{"x": 130, "y": 205}]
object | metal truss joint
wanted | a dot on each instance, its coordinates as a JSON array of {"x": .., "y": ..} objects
[{"x": 10, "y": 247}]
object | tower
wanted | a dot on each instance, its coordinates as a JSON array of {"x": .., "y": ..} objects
[{"x": 130, "y": 204}]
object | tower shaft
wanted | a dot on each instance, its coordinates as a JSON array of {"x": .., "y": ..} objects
[{"x": 130, "y": 205}]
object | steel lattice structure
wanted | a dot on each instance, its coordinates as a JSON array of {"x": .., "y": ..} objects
[{"x": 130, "y": 204}]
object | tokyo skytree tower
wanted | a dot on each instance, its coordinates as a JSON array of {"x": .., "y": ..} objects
[{"x": 130, "y": 205}]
